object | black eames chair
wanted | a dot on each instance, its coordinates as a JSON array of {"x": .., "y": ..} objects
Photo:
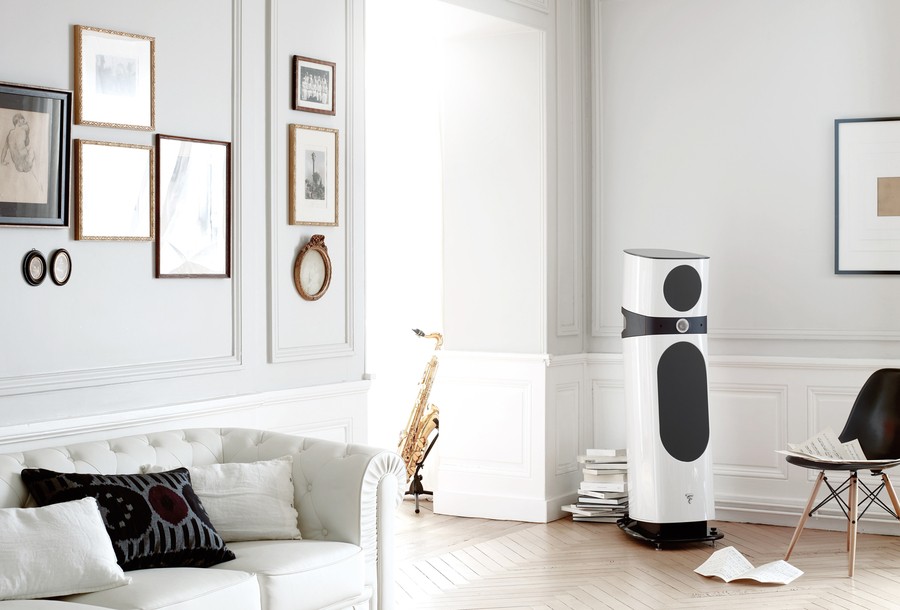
[{"x": 874, "y": 420}]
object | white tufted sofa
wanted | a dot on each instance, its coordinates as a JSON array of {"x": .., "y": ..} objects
[{"x": 345, "y": 495}]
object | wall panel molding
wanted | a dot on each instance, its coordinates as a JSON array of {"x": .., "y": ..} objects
[
  {"x": 149, "y": 371},
  {"x": 566, "y": 403},
  {"x": 280, "y": 268},
  {"x": 297, "y": 411},
  {"x": 747, "y": 454},
  {"x": 538, "y": 5},
  {"x": 570, "y": 170}
]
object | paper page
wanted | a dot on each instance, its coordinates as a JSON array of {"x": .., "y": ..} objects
[
  {"x": 727, "y": 564},
  {"x": 780, "y": 572},
  {"x": 824, "y": 444},
  {"x": 853, "y": 450}
]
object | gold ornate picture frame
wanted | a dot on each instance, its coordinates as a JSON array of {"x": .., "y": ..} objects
[
  {"x": 314, "y": 176},
  {"x": 114, "y": 191},
  {"x": 115, "y": 79}
]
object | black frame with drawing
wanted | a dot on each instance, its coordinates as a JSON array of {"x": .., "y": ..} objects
[
  {"x": 867, "y": 195},
  {"x": 313, "y": 85},
  {"x": 34, "y": 155}
]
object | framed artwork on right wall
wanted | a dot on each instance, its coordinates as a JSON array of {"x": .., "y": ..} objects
[{"x": 867, "y": 195}]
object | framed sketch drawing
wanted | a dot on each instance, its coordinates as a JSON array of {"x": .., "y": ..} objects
[
  {"x": 193, "y": 207},
  {"x": 867, "y": 195},
  {"x": 34, "y": 155},
  {"x": 115, "y": 81},
  {"x": 114, "y": 191},
  {"x": 313, "y": 161},
  {"x": 313, "y": 85}
]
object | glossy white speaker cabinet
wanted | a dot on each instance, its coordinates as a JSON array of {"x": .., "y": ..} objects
[{"x": 670, "y": 494}]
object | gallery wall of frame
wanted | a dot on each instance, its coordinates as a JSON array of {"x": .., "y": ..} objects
[
  {"x": 178, "y": 193},
  {"x": 149, "y": 273}
]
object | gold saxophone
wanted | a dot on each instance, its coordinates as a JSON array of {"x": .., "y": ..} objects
[{"x": 423, "y": 420}]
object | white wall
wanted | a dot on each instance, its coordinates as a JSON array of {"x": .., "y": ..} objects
[
  {"x": 714, "y": 134},
  {"x": 115, "y": 340},
  {"x": 717, "y": 137}
]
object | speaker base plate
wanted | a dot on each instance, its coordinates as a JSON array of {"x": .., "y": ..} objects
[{"x": 660, "y": 534}]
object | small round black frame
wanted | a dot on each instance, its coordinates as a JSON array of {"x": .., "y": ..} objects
[
  {"x": 34, "y": 267},
  {"x": 60, "y": 267}
]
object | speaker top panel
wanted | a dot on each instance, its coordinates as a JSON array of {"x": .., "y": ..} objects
[
  {"x": 669, "y": 286},
  {"x": 663, "y": 254}
]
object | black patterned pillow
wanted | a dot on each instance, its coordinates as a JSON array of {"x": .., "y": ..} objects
[{"x": 154, "y": 520}]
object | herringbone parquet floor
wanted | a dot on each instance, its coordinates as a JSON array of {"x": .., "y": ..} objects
[{"x": 457, "y": 563}]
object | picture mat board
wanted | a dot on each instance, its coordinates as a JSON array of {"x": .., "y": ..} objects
[
  {"x": 115, "y": 191},
  {"x": 193, "y": 200},
  {"x": 114, "y": 79},
  {"x": 34, "y": 155},
  {"x": 308, "y": 204},
  {"x": 865, "y": 241}
]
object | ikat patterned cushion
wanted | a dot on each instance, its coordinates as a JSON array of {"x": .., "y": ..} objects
[{"x": 154, "y": 520}]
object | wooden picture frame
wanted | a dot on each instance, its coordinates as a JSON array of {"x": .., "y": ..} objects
[
  {"x": 115, "y": 79},
  {"x": 114, "y": 191},
  {"x": 34, "y": 155},
  {"x": 193, "y": 207},
  {"x": 314, "y": 175},
  {"x": 867, "y": 195},
  {"x": 313, "y": 85}
]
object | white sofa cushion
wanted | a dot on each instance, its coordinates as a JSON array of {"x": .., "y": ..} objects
[
  {"x": 179, "y": 589},
  {"x": 302, "y": 574},
  {"x": 42, "y": 604},
  {"x": 252, "y": 501},
  {"x": 56, "y": 550}
]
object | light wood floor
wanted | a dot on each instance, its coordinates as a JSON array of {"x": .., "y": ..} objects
[{"x": 459, "y": 563}]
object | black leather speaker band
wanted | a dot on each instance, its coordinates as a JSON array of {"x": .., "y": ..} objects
[{"x": 637, "y": 325}]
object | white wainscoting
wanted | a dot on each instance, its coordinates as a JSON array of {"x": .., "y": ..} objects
[
  {"x": 335, "y": 412},
  {"x": 512, "y": 427},
  {"x": 757, "y": 406}
]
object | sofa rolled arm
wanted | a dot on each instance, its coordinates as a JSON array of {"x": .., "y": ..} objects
[{"x": 342, "y": 491}]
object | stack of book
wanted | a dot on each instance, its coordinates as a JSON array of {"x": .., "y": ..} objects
[{"x": 603, "y": 494}]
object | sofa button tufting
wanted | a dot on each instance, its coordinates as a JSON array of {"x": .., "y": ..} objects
[
  {"x": 324, "y": 532},
  {"x": 309, "y": 487}
]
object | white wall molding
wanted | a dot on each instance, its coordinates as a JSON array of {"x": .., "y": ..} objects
[
  {"x": 280, "y": 349},
  {"x": 12, "y": 385},
  {"x": 567, "y": 403},
  {"x": 296, "y": 411},
  {"x": 538, "y": 5},
  {"x": 570, "y": 172},
  {"x": 743, "y": 413}
]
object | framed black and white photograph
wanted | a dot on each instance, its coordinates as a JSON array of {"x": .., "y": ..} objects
[
  {"x": 115, "y": 79},
  {"x": 114, "y": 191},
  {"x": 313, "y": 161},
  {"x": 867, "y": 195},
  {"x": 34, "y": 155},
  {"x": 313, "y": 85},
  {"x": 193, "y": 207}
]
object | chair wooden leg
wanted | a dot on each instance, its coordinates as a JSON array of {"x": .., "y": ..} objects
[
  {"x": 891, "y": 493},
  {"x": 851, "y": 527},
  {"x": 805, "y": 515}
]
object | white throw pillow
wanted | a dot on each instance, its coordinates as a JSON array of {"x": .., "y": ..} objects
[
  {"x": 56, "y": 550},
  {"x": 247, "y": 501}
]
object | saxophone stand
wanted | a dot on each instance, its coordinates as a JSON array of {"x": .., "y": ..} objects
[{"x": 415, "y": 486}]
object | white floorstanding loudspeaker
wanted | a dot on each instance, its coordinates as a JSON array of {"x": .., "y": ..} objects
[{"x": 670, "y": 485}]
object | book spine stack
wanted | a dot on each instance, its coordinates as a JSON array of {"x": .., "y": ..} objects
[{"x": 603, "y": 493}]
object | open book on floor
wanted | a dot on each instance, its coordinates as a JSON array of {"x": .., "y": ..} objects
[{"x": 728, "y": 564}]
